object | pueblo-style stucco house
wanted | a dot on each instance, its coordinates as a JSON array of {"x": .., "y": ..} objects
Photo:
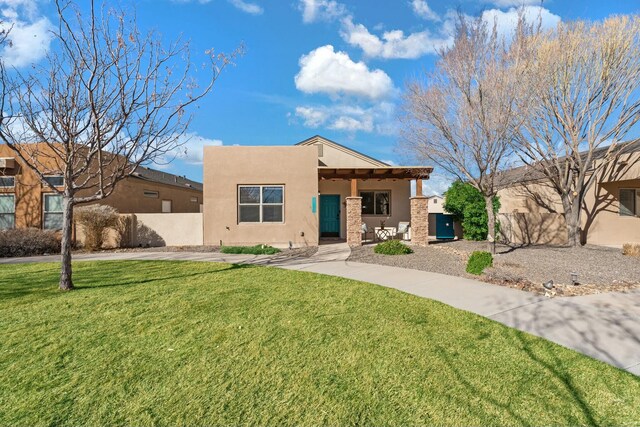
[
  {"x": 25, "y": 202},
  {"x": 297, "y": 195},
  {"x": 531, "y": 210}
]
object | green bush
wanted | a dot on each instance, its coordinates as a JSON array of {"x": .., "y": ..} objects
[
  {"x": 250, "y": 250},
  {"x": 392, "y": 247},
  {"x": 467, "y": 205},
  {"x": 478, "y": 261}
]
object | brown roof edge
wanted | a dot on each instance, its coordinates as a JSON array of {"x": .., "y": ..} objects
[{"x": 344, "y": 147}]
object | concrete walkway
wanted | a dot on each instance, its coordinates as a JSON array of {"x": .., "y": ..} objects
[{"x": 604, "y": 326}]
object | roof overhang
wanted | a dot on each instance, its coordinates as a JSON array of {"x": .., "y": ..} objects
[{"x": 391, "y": 172}]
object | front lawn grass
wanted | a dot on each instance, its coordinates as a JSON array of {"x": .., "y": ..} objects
[{"x": 179, "y": 343}]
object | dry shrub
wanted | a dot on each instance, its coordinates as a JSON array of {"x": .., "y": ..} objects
[
  {"x": 28, "y": 242},
  {"x": 96, "y": 220},
  {"x": 631, "y": 249}
]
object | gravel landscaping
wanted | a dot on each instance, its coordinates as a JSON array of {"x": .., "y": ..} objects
[{"x": 599, "y": 269}]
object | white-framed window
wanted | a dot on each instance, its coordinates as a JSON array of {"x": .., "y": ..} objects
[
  {"x": 630, "y": 202},
  {"x": 166, "y": 206},
  {"x": 7, "y": 211},
  {"x": 376, "y": 202},
  {"x": 7, "y": 181},
  {"x": 151, "y": 194},
  {"x": 55, "y": 180},
  {"x": 52, "y": 212},
  {"x": 194, "y": 200},
  {"x": 261, "y": 203}
]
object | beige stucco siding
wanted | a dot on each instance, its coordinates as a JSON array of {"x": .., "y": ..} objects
[
  {"x": 400, "y": 195},
  {"x": 225, "y": 168}
]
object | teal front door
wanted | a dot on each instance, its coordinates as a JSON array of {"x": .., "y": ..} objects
[
  {"x": 444, "y": 226},
  {"x": 329, "y": 215}
]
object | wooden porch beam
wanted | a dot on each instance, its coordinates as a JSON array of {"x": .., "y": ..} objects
[
  {"x": 418, "y": 187},
  {"x": 354, "y": 188}
]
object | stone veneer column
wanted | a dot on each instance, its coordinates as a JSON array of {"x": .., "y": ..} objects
[
  {"x": 354, "y": 221},
  {"x": 420, "y": 220}
]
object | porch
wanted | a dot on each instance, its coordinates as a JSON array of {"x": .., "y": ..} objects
[{"x": 378, "y": 197}]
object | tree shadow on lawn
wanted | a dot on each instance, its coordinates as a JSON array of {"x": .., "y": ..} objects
[{"x": 93, "y": 275}]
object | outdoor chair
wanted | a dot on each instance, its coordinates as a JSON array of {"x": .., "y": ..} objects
[
  {"x": 402, "y": 232},
  {"x": 365, "y": 230}
]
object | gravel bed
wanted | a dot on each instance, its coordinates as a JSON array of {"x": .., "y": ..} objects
[{"x": 599, "y": 269}]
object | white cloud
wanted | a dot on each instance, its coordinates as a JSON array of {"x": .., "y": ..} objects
[
  {"x": 393, "y": 44},
  {"x": 325, "y": 71},
  {"x": 436, "y": 184},
  {"x": 251, "y": 8},
  {"x": 506, "y": 22},
  {"x": 29, "y": 34},
  {"x": 191, "y": 148},
  {"x": 378, "y": 118},
  {"x": 321, "y": 10},
  {"x": 422, "y": 9}
]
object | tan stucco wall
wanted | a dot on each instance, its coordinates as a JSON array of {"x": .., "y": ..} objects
[
  {"x": 127, "y": 197},
  {"x": 227, "y": 167},
  {"x": 176, "y": 229},
  {"x": 540, "y": 217},
  {"x": 400, "y": 195}
]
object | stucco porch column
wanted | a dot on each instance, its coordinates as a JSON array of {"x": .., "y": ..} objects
[
  {"x": 354, "y": 216},
  {"x": 419, "y": 217}
]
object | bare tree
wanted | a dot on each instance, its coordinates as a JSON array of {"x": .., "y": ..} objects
[
  {"x": 582, "y": 97},
  {"x": 462, "y": 116},
  {"x": 107, "y": 99}
]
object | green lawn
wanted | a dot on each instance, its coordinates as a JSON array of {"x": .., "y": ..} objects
[{"x": 201, "y": 344}]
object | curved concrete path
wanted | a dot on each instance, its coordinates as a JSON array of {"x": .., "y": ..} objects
[{"x": 603, "y": 326}]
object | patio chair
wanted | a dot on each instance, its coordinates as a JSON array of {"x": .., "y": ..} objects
[
  {"x": 402, "y": 232},
  {"x": 365, "y": 230}
]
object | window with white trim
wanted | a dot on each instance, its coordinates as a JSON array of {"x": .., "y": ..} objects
[
  {"x": 630, "y": 202},
  {"x": 55, "y": 180},
  {"x": 376, "y": 202},
  {"x": 7, "y": 211},
  {"x": 260, "y": 203},
  {"x": 52, "y": 212},
  {"x": 151, "y": 194},
  {"x": 7, "y": 181}
]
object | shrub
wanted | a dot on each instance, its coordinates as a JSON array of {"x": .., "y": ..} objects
[
  {"x": 28, "y": 242},
  {"x": 392, "y": 247},
  {"x": 96, "y": 220},
  {"x": 478, "y": 261},
  {"x": 250, "y": 250},
  {"x": 631, "y": 249},
  {"x": 467, "y": 205}
]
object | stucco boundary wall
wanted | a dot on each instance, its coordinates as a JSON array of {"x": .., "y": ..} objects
[
  {"x": 160, "y": 229},
  {"x": 533, "y": 228}
]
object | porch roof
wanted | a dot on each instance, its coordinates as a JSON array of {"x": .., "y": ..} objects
[{"x": 389, "y": 172}]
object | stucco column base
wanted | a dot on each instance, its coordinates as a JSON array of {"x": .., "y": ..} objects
[
  {"x": 354, "y": 221},
  {"x": 420, "y": 221}
]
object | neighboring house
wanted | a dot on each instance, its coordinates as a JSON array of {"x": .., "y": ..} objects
[
  {"x": 531, "y": 211},
  {"x": 26, "y": 202},
  {"x": 441, "y": 223},
  {"x": 299, "y": 194}
]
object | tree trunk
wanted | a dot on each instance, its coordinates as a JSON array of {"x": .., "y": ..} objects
[
  {"x": 491, "y": 224},
  {"x": 66, "y": 282},
  {"x": 572, "y": 219}
]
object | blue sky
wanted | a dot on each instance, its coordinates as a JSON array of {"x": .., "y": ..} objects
[{"x": 328, "y": 67}]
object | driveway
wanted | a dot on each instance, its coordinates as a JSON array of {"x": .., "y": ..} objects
[{"x": 603, "y": 326}]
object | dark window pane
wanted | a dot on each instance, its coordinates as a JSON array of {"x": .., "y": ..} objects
[
  {"x": 249, "y": 213},
  {"x": 382, "y": 203},
  {"x": 367, "y": 202},
  {"x": 56, "y": 181},
  {"x": 52, "y": 221},
  {"x": 271, "y": 194},
  {"x": 249, "y": 194},
  {"x": 272, "y": 213},
  {"x": 7, "y": 181},
  {"x": 627, "y": 202}
]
